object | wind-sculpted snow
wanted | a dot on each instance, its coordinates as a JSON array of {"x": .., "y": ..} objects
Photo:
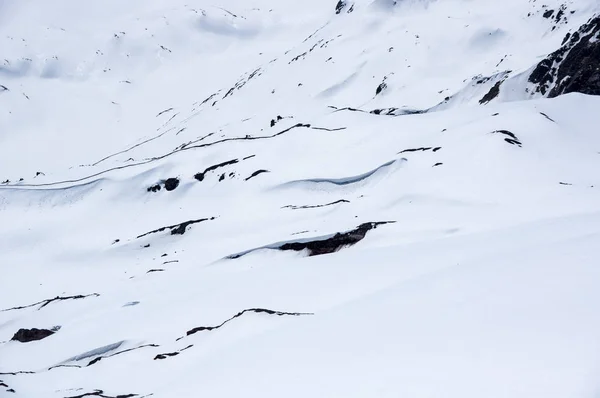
[
  {"x": 379, "y": 171},
  {"x": 320, "y": 245},
  {"x": 356, "y": 198},
  {"x": 96, "y": 352}
]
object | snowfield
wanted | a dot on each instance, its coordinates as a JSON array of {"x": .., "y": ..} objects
[{"x": 367, "y": 198}]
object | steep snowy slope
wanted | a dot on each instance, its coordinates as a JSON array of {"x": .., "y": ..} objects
[{"x": 277, "y": 198}]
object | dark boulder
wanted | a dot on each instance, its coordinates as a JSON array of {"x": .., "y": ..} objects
[
  {"x": 27, "y": 335},
  {"x": 171, "y": 184},
  {"x": 493, "y": 93}
]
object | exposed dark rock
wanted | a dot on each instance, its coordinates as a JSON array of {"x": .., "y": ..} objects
[
  {"x": 239, "y": 314},
  {"x": 505, "y": 132},
  {"x": 48, "y": 301},
  {"x": 177, "y": 150},
  {"x": 300, "y": 232},
  {"x": 155, "y": 270},
  {"x": 171, "y": 184},
  {"x": 242, "y": 82},
  {"x": 493, "y": 93},
  {"x": 166, "y": 355},
  {"x": 397, "y": 112},
  {"x": 315, "y": 206},
  {"x": 100, "y": 393},
  {"x": 512, "y": 139},
  {"x": 381, "y": 88},
  {"x": 98, "y": 359},
  {"x": 165, "y": 111},
  {"x": 322, "y": 245},
  {"x": 422, "y": 149},
  {"x": 339, "y": 7},
  {"x": 347, "y": 108},
  {"x": 333, "y": 244},
  {"x": 172, "y": 354},
  {"x": 548, "y": 14},
  {"x": 222, "y": 177},
  {"x": 575, "y": 67},
  {"x": 27, "y": 335},
  {"x": 181, "y": 228},
  {"x": 277, "y": 119},
  {"x": 512, "y": 142},
  {"x": 154, "y": 188},
  {"x": 21, "y": 372},
  {"x": 200, "y": 176},
  {"x": 257, "y": 172},
  {"x": 560, "y": 14},
  {"x": 298, "y": 57},
  {"x": 177, "y": 229},
  {"x": 547, "y": 117},
  {"x": 438, "y": 164}
]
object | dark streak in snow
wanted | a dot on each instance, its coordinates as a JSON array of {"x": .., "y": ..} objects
[
  {"x": 48, "y": 301},
  {"x": 239, "y": 314},
  {"x": 177, "y": 229}
]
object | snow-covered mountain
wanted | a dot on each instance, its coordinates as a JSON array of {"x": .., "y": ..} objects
[{"x": 369, "y": 198}]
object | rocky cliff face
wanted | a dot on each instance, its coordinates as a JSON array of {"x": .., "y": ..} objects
[{"x": 575, "y": 67}]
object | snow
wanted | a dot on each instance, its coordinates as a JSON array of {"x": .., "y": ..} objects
[{"x": 485, "y": 285}]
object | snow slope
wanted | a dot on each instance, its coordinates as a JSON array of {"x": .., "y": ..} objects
[{"x": 172, "y": 169}]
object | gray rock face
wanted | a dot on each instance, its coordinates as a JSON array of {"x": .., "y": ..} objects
[{"x": 575, "y": 67}]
